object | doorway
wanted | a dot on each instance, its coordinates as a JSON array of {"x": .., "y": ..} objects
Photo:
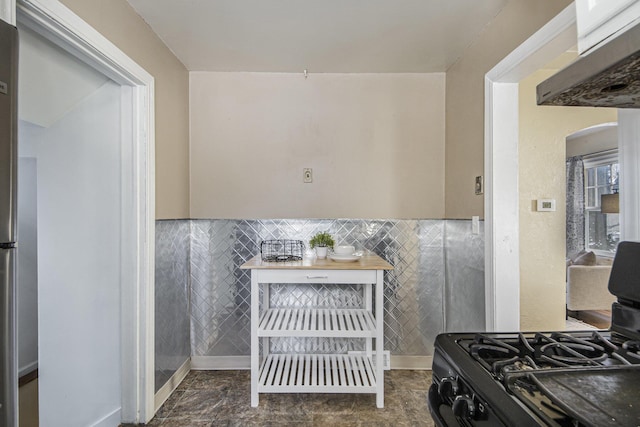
[
  {"x": 502, "y": 196},
  {"x": 593, "y": 226},
  {"x": 502, "y": 252},
  {"x": 95, "y": 245},
  {"x": 542, "y": 174},
  {"x": 70, "y": 165}
]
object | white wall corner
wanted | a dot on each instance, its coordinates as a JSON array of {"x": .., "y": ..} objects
[
  {"x": 56, "y": 22},
  {"x": 629, "y": 159},
  {"x": 502, "y": 229},
  {"x": 502, "y": 243}
]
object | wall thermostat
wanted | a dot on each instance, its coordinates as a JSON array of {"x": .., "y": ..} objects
[{"x": 546, "y": 205}]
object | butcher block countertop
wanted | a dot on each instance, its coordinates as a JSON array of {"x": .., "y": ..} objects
[{"x": 366, "y": 262}]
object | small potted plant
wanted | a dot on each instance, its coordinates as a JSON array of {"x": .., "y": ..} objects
[{"x": 321, "y": 242}]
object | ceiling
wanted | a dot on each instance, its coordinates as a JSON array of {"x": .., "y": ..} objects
[{"x": 339, "y": 36}]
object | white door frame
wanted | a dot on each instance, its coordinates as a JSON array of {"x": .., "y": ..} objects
[
  {"x": 8, "y": 11},
  {"x": 629, "y": 159},
  {"x": 501, "y": 207},
  {"x": 60, "y": 25}
]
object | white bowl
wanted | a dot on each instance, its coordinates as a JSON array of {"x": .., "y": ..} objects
[{"x": 344, "y": 250}]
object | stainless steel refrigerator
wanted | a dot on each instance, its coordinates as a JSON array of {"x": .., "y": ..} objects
[{"x": 8, "y": 223}]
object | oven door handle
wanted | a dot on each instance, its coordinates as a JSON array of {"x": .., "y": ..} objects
[{"x": 434, "y": 406}]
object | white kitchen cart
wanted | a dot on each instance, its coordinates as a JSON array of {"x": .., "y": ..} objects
[{"x": 317, "y": 373}]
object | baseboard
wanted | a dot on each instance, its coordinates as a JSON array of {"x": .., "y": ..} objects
[
  {"x": 25, "y": 379},
  {"x": 24, "y": 371},
  {"x": 212, "y": 363},
  {"x": 110, "y": 420},
  {"x": 165, "y": 391},
  {"x": 417, "y": 363}
]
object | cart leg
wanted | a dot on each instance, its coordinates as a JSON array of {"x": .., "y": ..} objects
[
  {"x": 255, "y": 348},
  {"x": 368, "y": 305},
  {"x": 266, "y": 298},
  {"x": 379, "y": 340}
]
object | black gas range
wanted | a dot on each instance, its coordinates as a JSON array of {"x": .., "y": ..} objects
[{"x": 578, "y": 378}]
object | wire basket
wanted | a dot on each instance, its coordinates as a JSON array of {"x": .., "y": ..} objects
[{"x": 281, "y": 250}]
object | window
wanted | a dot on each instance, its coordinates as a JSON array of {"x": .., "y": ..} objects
[{"x": 602, "y": 231}]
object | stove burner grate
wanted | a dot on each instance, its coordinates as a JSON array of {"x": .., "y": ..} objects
[{"x": 519, "y": 352}]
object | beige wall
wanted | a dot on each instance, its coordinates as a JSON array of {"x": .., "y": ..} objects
[
  {"x": 465, "y": 98},
  {"x": 542, "y": 175},
  {"x": 375, "y": 143},
  {"x": 593, "y": 140},
  {"x": 118, "y": 22}
]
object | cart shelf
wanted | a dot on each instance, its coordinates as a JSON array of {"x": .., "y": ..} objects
[
  {"x": 314, "y": 322},
  {"x": 317, "y": 373}
]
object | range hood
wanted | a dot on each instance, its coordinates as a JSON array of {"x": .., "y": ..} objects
[{"x": 607, "y": 77}]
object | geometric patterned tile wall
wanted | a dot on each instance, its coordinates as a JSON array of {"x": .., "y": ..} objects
[
  {"x": 414, "y": 290},
  {"x": 172, "y": 321},
  {"x": 464, "y": 293},
  {"x": 418, "y": 301}
]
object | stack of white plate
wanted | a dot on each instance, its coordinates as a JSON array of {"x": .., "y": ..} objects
[
  {"x": 345, "y": 254},
  {"x": 344, "y": 258}
]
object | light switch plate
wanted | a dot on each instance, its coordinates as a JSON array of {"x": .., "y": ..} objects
[{"x": 479, "y": 185}]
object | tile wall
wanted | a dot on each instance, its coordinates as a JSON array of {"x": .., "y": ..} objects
[
  {"x": 437, "y": 283},
  {"x": 172, "y": 296}
]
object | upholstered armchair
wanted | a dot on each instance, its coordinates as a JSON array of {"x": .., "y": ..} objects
[{"x": 587, "y": 286}]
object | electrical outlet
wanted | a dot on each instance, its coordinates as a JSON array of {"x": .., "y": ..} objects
[
  {"x": 386, "y": 360},
  {"x": 307, "y": 175}
]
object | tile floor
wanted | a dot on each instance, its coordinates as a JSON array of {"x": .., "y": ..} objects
[
  {"x": 28, "y": 404},
  {"x": 573, "y": 324},
  {"x": 600, "y": 319},
  {"x": 222, "y": 398}
]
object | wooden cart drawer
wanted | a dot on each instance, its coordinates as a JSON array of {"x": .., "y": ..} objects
[{"x": 316, "y": 276}]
